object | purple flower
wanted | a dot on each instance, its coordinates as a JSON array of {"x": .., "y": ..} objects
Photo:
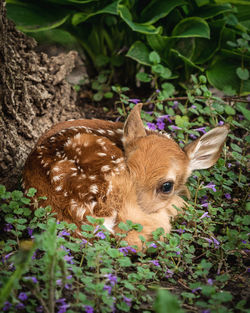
[
  {"x": 20, "y": 306},
  {"x": 216, "y": 242},
  {"x": 61, "y": 301},
  {"x": 22, "y": 296},
  {"x": 127, "y": 300},
  {"x": 69, "y": 259},
  {"x": 176, "y": 103},
  {"x": 108, "y": 288},
  {"x": 39, "y": 309},
  {"x": 227, "y": 196},
  {"x": 126, "y": 250},
  {"x": 8, "y": 227},
  {"x": 160, "y": 125},
  {"x": 211, "y": 186},
  {"x": 63, "y": 233},
  {"x": 192, "y": 136},
  {"x": 155, "y": 262},
  {"x": 88, "y": 309},
  {"x": 101, "y": 235},
  {"x": 59, "y": 282},
  {"x": 34, "y": 255},
  {"x": 157, "y": 90},
  {"x": 135, "y": 101},
  {"x": 206, "y": 311},
  {"x": 63, "y": 308},
  {"x": 180, "y": 231},
  {"x": 165, "y": 117},
  {"x": 173, "y": 127},
  {"x": 193, "y": 106},
  {"x": 229, "y": 165},
  {"x": 196, "y": 289},
  {"x": 151, "y": 126},
  {"x": 169, "y": 273},
  {"x": 8, "y": 255},
  {"x": 243, "y": 241},
  {"x": 68, "y": 286},
  {"x": 204, "y": 215},
  {"x": 7, "y": 306},
  {"x": 201, "y": 129},
  {"x": 210, "y": 281},
  {"x": 30, "y": 232},
  {"x": 205, "y": 205},
  {"x": 153, "y": 245},
  {"x": 32, "y": 278},
  {"x": 221, "y": 123},
  {"x": 111, "y": 278}
]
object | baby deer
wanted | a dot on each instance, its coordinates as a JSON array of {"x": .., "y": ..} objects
[{"x": 117, "y": 172}]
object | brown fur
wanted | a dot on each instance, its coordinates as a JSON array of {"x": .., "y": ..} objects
[{"x": 93, "y": 167}]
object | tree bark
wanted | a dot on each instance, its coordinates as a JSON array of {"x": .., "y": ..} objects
[{"x": 33, "y": 95}]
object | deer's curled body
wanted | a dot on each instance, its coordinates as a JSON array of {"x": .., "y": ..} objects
[{"x": 117, "y": 172}]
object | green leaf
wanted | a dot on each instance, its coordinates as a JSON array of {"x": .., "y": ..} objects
[
  {"x": 229, "y": 110},
  {"x": 80, "y": 17},
  {"x": 213, "y": 10},
  {"x": 154, "y": 57},
  {"x": 186, "y": 60},
  {"x": 158, "y": 9},
  {"x": 165, "y": 300},
  {"x": 244, "y": 111},
  {"x": 242, "y": 73},
  {"x": 143, "y": 77},
  {"x": 191, "y": 27},
  {"x": 139, "y": 52},
  {"x": 137, "y": 27},
  {"x": 31, "y": 192}
]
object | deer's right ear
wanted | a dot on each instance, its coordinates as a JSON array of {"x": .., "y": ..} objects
[
  {"x": 133, "y": 127},
  {"x": 205, "y": 151}
]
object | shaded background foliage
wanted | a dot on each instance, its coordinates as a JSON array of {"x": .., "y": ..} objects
[{"x": 191, "y": 36}]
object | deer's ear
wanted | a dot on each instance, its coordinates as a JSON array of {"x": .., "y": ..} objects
[
  {"x": 205, "y": 151},
  {"x": 133, "y": 127}
]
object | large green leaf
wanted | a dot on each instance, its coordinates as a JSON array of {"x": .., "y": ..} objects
[
  {"x": 222, "y": 74},
  {"x": 244, "y": 2},
  {"x": 35, "y": 18},
  {"x": 212, "y": 10},
  {"x": 80, "y": 17},
  {"x": 59, "y": 36},
  {"x": 140, "y": 28},
  {"x": 243, "y": 15},
  {"x": 158, "y": 9},
  {"x": 191, "y": 27},
  {"x": 139, "y": 52}
]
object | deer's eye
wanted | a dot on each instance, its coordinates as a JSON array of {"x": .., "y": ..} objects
[{"x": 167, "y": 187}]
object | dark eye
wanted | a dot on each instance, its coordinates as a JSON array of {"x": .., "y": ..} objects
[{"x": 167, "y": 187}]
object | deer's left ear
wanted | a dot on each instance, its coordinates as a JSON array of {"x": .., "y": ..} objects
[
  {"x": 205, "y": 151},
  {"x": 133, "y": 127}
]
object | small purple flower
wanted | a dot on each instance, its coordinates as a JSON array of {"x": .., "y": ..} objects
[
  {"x": 101, "y": 235},
  {"x": 165, "y": 117},
  {"x": 20, "y": 306},
  {"x": 227, "y": 196},
  {"x": 196, "y": 289},
  {"x": 193, "y": 106},
  {"x": 8, "y": 255},
  {"x": 210, "y": 281},
  {"x": 111, "y": 278},
  {"x": 32, "y": 278},
  {"x": 192, "y": 136},
  {"x": 180, "y": 231},
  {"x": 108, "y": 288},
  {"x": 127, "y": 300},
  {"x": 135, "y": 101},
  {"x": 176, "y": 103},
  {"x": 160, "y": 125},
  {"x": 229, "y": 165},
  {"x": 7, "y": 306},
  {"x": 157, "y": 90},
  {"x": 63, "y": 308},
  {"x": 8, "y": 227},
  {"x": 204, "y": 215},
  {"x": 34, "y": 255},
  {"x": 155, "y": 262},
  {"x": 126, "y": 250},
  {"x": 216, "y": 242},
  {"x": 61, "y": 301},
  {"x": 205, "y": 205},
  {"x": 243, "y": 241},
  {"x": 206, "y": 311},
  {"x": 69, "y": 259},
  {"x": 151, "y": 126},
  {"x": 211, "y": 186},
  {"x": 153, "y": 245},
  {"x": 88, "y": 309},
  {"x": 63, "y": 233},
  {"x": 39, "y": 309},
  {"x": 201, "y": 129},
  {"x": 169, "y": 273},
  {"x": 59, "y": 282},
  {"x": 22, "y": 296},
  {"x": 221, "y": 123},
  {"x": 173, "y": 127},
  {"x": 68, "y": 286},
  {"x": 30, "y": 232}
]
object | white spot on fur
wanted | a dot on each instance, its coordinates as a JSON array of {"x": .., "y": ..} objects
[
  {"x": 93, "y": 189},
  {"x": 57, "y": 178},
  {"x": 74, "y": 174},
  {"x": 56, "y": 168},
  {"x": 119, "y": 160},
  {"x": 90, "y": 206},
  {"x": 80, "y": 212},
  {"x": 101, "y": 131},
  {"x": 65, "y": 194},
  {"x": 119, "y": 131},
  {"x": 110, "y": 187},
  {"x": 110, "y": 132},
  {"x": 85, "y": 144},
  {"x": 105, "y": 168},
  {"x": 92, "y": 177},
  {"x": 58, "y": 188},
  {"x": 101, "y": 154}
]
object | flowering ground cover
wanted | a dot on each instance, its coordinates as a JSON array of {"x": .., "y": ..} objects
[{"x": 202, "y": 266}]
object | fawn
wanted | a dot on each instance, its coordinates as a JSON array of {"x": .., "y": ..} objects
[{"x": 117, "y": 172}]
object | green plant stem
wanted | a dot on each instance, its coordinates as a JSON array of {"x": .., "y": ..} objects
[{"x": 51, "y": 284}]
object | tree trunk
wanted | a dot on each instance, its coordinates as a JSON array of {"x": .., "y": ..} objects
[{"x": 33, "y": 95}]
